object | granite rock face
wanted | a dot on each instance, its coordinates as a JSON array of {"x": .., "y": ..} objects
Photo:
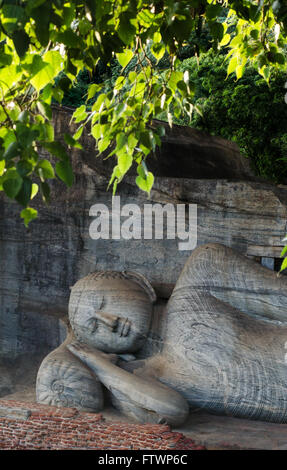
[
  {"x": 39, "y": 265},
  {"x": 225, "y": 342}
]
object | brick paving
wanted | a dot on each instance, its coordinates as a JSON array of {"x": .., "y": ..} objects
[{"x": 33, "y": 426}]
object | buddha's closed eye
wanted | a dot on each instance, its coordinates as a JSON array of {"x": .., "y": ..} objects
[{"x": 100, "y": 303}]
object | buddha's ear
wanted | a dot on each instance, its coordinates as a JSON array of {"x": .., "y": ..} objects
[{"x": 143, "y": 282}]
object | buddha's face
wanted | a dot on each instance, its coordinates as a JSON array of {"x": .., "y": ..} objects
[{"x": 114, "y": 316}]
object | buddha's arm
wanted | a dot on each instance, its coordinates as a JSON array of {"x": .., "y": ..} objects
[{"x": 146, "y": 394}]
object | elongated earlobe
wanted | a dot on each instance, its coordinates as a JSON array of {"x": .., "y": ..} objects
[{"x": 143, "y": 282}]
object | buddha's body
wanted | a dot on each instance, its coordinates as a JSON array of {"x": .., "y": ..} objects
[{"x": 224, "y": 346}]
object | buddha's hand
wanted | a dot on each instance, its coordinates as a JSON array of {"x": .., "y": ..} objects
[{"x": 87, "y": 354}]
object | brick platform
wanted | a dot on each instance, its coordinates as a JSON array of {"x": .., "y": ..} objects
[{"x": 33, "y": 426}]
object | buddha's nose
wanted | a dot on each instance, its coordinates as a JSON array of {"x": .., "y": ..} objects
[
  {"x": 108, "y": 319},
  {"x": 115, "y": 323}
]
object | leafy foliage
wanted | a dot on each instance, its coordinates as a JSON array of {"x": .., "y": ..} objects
[
  {"x": 251, "y": 112},
  {"x": 40, "y": 40}
]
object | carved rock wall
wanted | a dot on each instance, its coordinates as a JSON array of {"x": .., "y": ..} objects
[{"x": 39, "y": 265}]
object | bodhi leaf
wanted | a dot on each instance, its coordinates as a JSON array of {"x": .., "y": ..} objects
[
  {"x": 45, "y": 190},
  {"x": 125, "y": 161},
  {"x": 35, "y": 189},
  {"x": 53, "y": 65},
  {"x": 145, "y": 183},
  {"x": 12, "y": 185},
  {"x": 24, "y": 195},
  {"x": 28, "y": 214},
  {"x": 284, "y": 265},
  {"x": 65, "y": 172},
  {"x": 126, "y": 29},
  {"x": 125, "y": 57},
  {"x": 2, "y": 167},
  {"x": 45, "y": 170},
  {"x": 232, "y": 65},
  {"x": 9, "y": 77}
]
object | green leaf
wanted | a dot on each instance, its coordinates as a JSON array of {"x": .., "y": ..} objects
[
  {"x": 103, "y": 144},
  {"x": 58, "y": 94},
  {"x": 279, "y": 58},
  {"x": 175, "y": 77},
  {"x": 132, "y": 141},
  {"x": 2, "y": 167},
  {"x": 225, "y": 40},
  {"x": 283, "y": 265},
  {"x": 34, "y": 191},
  {"x": 12, "y": 15},
  {"x": 24, "y": 167},
  {"x": 124, "y": 162},
  {"x": 126, "y": 30},
  {"x": 26, "y": 135},
  {"x": 142, "y": 171},
  {"x": 146, "y": 138},
  {"x": 96, "y": 131},
  {"x": 12, "y": 186},
  {"x": 145, "y": 184},
  {"x": 21, "y": 42},
  {"x": 116, "y": 175},
  {"x": 45, "y": 109},
  {"x": 121, "y": 140},
  {"x": 28, "y": 214},
  {"x": 45, "y": 190},
  {"x": 254, "y": 34},
  {"x": 12, "y": 151},
  {"x": 45, "y": 169},
  {"x": 80, "y": 114},
  {"x": 158, "y": 50},
  {"x": 5, "y": 59},
  {"x": 132, "y": 76},
  {"x": 70, "y": 38},
  {"x": 9, "y": 77},
  {"x": 24, "y": 117},
  {"x": 239, "y": 71},
  {"x": 48, "y": 132},
  {"x": 93, "y": 89},
  {"x": 65, "y": 172},
  {"x": 35, "y": 3},
  {"x": 53, "y": 61},
  {"x": 284, "y": 251},
  {"x": 24, "y": 195},
  {"x": 72, "y": 142},
  {"x": 212, "y": 11},
  {"x": 57, "y": 149},
  {"x": 41, "y": 16},
  {"x": 217, "y": 31},
  {"x": 100, "y": 102},
  {"x": 78, "y": 133},
  {"x": 232, "y": 65},
  {"x": 125, "y": 57}
]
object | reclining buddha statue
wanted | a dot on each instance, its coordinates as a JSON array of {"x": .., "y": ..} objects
[{"x": 224, "y": 346}]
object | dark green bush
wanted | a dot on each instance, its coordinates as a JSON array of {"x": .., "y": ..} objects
[{"x": 248, "y": 111}]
